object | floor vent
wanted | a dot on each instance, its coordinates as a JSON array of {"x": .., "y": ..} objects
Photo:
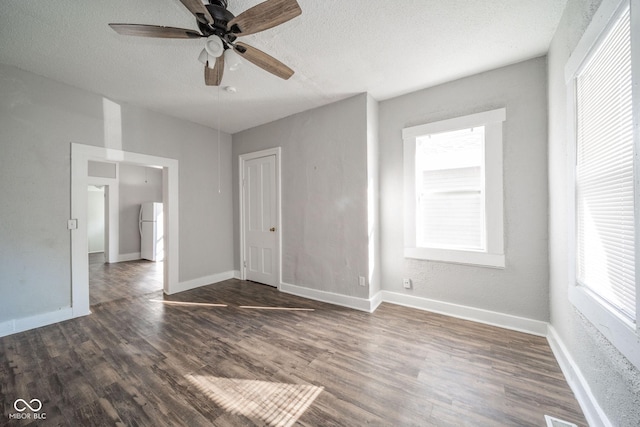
[{"x": 555, "y": 422}]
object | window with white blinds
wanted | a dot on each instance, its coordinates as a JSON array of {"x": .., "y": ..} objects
[
  {"x": 450, "y": 194},
  {"x": 453, "y": 190},
  {"x": 605, "y": 223},
  {"x": 601, "y": 74}
]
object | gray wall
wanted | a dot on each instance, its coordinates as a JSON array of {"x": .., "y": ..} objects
[
  {"x": 324, "y": 194},
  {"x": 206, "y": 222},
  {"x": 137, "y": 185},
  {"x": 102, "y": 169},
  {"x": 39, "y": 118},
  {"x": 373, "y": 196},
  {"x": 520, "y": 289},
  {"x": 614, "y": 382}
]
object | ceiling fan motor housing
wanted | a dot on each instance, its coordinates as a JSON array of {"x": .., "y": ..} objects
[{"x": 221, "y": 16}]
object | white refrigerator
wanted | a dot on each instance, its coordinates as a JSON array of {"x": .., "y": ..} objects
[{"x": 151, "y": 227}]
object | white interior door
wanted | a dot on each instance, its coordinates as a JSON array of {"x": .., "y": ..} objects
[{"x": 260, "y": 220}]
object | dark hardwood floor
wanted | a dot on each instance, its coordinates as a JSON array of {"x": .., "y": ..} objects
[
  {"x": 242, "y": 354},
  {"x": 109, "y": 282}
]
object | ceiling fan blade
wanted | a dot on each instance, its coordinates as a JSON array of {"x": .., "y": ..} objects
[
  {"x": 213, "y": 77},
  {"x": 199, "y": 11},
  {"x": 155, "y": 31},
  {"x": 264, "y": 61},
  {"x": 264, "y": 16}
]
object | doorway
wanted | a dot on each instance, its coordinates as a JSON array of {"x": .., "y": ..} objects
[
  {"x": 96, "y": 218},
  {"x": 124, "y": 274},
  {"x": 80, "y": 157},
  {"x": 260, "y": 213}
]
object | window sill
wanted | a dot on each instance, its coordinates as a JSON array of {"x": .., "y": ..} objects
[
  {"x": 482, "y": 259},
  {"x": 618, "y": 331}
]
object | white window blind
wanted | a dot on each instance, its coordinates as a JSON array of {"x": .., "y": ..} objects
[
  {"x": 453, "y": 192},
  {"x": 450, "y": 190},
  {"x": 605, "y": 247}
]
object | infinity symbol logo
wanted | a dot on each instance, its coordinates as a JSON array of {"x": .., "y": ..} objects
[{"x": 26, "y": 405}]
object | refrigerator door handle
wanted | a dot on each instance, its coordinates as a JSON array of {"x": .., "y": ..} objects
[{"x": 140, "y": 220}]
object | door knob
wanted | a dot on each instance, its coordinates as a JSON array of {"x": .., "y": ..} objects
[{"x": 272, "y": 229}]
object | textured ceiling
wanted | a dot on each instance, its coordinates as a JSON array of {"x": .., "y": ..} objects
[{"x": 337, "y": 48}]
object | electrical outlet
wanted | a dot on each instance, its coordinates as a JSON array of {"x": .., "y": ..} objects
[
  {"x": 406, "y": 283},
  {"x": 362, "y": 281}
]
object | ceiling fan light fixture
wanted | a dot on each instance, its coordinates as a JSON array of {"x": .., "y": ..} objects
[
  {"x": 214, "y": 46},
  {"x": 207, "y": 59},
  {"x": 203, "y": 57}
]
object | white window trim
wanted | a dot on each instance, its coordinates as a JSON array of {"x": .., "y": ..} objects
[
  {"x": 493, "y": 255},
  {"x": 624, "y": 335}
]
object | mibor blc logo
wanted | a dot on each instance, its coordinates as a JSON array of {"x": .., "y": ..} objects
[{"x": 28, "y": 410}]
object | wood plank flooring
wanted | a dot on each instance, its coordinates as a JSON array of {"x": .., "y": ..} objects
[
  {"x": 108, "y": 282},
  {"x": 183, "y": 360}
]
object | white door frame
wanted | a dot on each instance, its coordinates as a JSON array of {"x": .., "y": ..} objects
[
  {"x": 243, "y": 159},
  {"x": 80, "y": 156}
]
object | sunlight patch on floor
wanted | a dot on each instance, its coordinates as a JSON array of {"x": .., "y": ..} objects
[
  {"x": 206, "y": 304},
  {"x": 182, "y": 303},
  {"x": 276, "y": 308},
  {"x": 275, "y": 404}
]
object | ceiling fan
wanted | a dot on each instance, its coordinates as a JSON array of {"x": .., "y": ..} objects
[{"x": 221, "y": 29}]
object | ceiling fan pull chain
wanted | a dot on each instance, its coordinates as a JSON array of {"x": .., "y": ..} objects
[{"x": 219, "y": 173}]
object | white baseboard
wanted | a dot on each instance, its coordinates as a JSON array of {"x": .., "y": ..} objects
[
  {"x": 129, "y": 257},
  {"x": 24, "y": 324},
  {"x": 356, "y": 303},
  {"x": 236, "y": 274},
  {"x": 203, "y": 281},
  {"x": 376, "y": 300},
  {"x": 507, "y": 321},
  {"x": 592, "y": 411}
]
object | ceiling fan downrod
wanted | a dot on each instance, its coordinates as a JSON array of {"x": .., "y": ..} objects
[{"x": 221, "y": 3}]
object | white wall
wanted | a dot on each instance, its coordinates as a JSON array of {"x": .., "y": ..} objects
[
  {"x": 39, "y": 118},
  {"x": 521, "y": 289},
  {"x": 137, "y": 185},
  {"x": 324, "y": 194},
  {"x": 613, "y": 381}
]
